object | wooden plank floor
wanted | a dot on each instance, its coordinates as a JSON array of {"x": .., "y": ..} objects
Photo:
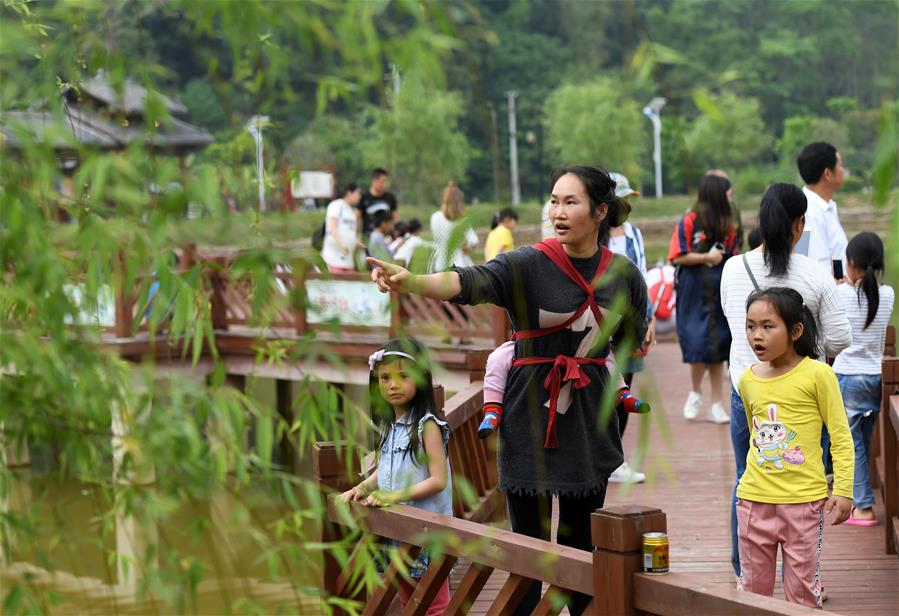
[{"x": 690, "y": 468}]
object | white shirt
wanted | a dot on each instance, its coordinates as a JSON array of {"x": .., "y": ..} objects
[
  {"x": 442, "y": 232},
  {"x": 865, "y": 354},
  {"x": 405, "y": 252},
  {"x": 345, "y": 215},
  {"x": 818, "y": 291},
  {"x": 827, "y": 240}
]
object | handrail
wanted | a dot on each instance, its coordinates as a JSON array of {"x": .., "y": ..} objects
[
  {"x": 564, "y": 567},
  {"x": 888, "y": 452},
  {"x": 683, "y": 594}
]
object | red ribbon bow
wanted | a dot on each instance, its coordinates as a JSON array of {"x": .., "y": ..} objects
[{"x": 555, "y": 379}]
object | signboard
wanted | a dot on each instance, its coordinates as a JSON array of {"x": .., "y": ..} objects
[
  {"x": 104, "y": 313},
  {"x": 313, "y": 184},
  {"x": 347, "y": 302}
]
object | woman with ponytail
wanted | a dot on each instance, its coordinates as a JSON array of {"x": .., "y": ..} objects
[
  {"x": 774, "y": 264},
  {"x": 869, "y": 306},
  {"x": 702, "y": 241}
]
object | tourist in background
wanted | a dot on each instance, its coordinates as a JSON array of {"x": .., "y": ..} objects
[
  {"x": 703, "y": 239},
  {"x": 454, "y": 239},
  {"x": 868, "y": 306},
  {"x": 500, "y": 237},
  {"x": 342, "y": 231},
  {"x": 627, "y": 240},
  {"x": 377, "y": 199},
  {"x": 378, "y": 243},
  {"x": 821, "y": 168}
]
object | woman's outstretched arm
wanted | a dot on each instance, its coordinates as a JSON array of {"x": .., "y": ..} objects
[{"x": 391, "y": 277}]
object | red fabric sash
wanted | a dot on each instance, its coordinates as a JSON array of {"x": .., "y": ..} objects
[{"x": 552, "y": 248}]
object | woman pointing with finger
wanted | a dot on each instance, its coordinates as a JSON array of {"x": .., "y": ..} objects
[{"x": 570, "y": 300}]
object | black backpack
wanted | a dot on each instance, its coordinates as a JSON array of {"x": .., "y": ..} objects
[{"x": 318, "y": 238}]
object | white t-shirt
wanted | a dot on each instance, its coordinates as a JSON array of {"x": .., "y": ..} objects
[
  {"x": 818, "y": 291},
  {"x": 865, "y": 354},
  {"x": 442, "y": 232},
  {"x": 345, "y": 215},
  {"x": 618, "y": 244},
  {"x": 827, "y": 239},
  {"x": 405, "y": 252}
]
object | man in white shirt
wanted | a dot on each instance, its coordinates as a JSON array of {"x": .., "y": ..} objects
[{"x": 821, "y": 168}]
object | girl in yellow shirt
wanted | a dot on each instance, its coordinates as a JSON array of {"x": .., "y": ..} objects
[
  {"x": 500, "y": 237},
  {"x": 789, "y": 397}
]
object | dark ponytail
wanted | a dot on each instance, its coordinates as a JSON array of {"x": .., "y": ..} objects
[
  {"x": 781, "y": 205},
  {"x": 789, "y": 305},
  {"x": 865, "y": 251}
]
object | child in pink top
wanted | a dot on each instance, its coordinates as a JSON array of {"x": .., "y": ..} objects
[{"x": 499, "y": 363}]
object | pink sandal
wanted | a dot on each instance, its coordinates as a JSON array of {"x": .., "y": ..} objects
[{"x": 859, "y": 522}]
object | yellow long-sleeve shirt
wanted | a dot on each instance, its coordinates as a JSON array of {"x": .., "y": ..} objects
[{"x": 785, "y": 416}]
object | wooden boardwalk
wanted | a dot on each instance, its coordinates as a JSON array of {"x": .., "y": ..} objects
[{"x": 690, "y": 468}]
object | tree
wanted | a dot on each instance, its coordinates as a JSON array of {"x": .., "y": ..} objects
[
  {"x": 418, "y": 139},
  {"x": 596, "y": 122},
  {"x": 729, "y": 133}
]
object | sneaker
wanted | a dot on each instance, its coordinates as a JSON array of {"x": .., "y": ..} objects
[
  {"x": 625, "y": 474},
  {"x": 691, "y": 407},
  {"x": 717, "y": 414}
]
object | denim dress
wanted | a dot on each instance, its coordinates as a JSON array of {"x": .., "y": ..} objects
[{"x": 397, "y": 471}]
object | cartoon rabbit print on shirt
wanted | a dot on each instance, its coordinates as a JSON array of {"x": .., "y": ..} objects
[{"x": 772, "y": 441}]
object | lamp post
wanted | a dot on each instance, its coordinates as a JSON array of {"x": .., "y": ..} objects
[
  {"x": 651, "y": 111},
  {"x": 513, "y": 148},
  {"x": 255, "y": 127}
]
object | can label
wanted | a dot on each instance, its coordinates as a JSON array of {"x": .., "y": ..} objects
[{"x": 655, "y": 553}]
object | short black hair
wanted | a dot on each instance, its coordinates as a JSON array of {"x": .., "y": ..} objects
[
  {"x": 814, "y": 159},
  {"x": 414, "y": 225},
  {"x": 348, "y": 188},
  {"x": 378, "y": 172},
  {"x": 379, "y": 218}
]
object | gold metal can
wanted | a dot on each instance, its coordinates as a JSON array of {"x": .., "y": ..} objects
[{"x": 655, "y": 553}]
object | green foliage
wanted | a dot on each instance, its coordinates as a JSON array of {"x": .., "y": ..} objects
[
  {"x": 798, "y": 132},
  {"x": 205, "y": 108},
  {"x": 417, "y": 138},
  {"x": 331, "y": 140},
  {"x": 596, "y": 122},
  {"x": 730, "y": 131}
]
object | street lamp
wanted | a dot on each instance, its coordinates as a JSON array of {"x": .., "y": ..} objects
[
  {"x": 255, "y": 127},
  {"x": 513, "y": 148},
  {"x": 651, "y": 111}
]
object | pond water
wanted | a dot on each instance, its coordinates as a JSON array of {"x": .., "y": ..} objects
[{"x": 94, "y": 563}]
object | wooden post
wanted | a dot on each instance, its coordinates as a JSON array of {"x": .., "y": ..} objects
[
  {"x": 333, "y": 474},
  {"x": 218, "y": 308},
  {"x": 889, "y": 446},
  {"x": 396, "y": 316},
  {"x": 124, "y": 302},
  {"x": 300, "y": 269},
  {"x": 188, "y": 257},
  {"x": 618, "y": 539},
  {"x": 284, "y": 403},
  {"x": 476, "y": 362}
]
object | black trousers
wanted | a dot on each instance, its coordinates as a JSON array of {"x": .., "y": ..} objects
[{"x": 531, "y": 516}]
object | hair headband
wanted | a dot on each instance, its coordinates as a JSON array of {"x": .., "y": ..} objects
[{"x": 378, "y": 356}]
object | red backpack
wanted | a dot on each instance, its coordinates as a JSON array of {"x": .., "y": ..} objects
[{"x": 660, "y": 281}]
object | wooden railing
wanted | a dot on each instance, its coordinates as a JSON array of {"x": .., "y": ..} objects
[
  {"x": 887, "y": 462},
  {"x": 884, "y": 459},
  {"x": 231, "y": 305},
  {"x": 611, "y": 574}
]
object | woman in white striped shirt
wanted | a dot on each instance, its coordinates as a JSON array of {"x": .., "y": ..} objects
[{"x": 781, "y": 222}]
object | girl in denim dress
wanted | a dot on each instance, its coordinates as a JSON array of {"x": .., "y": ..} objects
[
  {"x": 868, "y": 306},
  {"x": 413, "y": 466}
]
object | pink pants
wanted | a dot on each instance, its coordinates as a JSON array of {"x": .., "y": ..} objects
[
  {"x": 438, "y": 605},
  {"x": 799, "y": 530}
]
